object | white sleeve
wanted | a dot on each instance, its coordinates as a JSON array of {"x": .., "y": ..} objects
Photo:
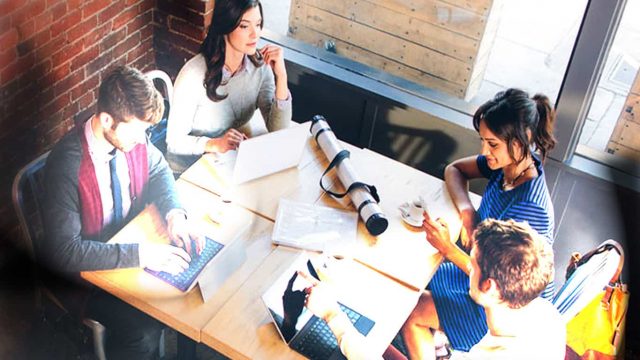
[
  {"x": 276, "y": 113},
  {"x": 352, "y": 344},
  {"x": 183, "y": 109}
]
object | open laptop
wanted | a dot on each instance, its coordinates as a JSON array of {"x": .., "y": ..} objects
[
  {"x": 266, "y": 154},
  {"x": 211, "y": 268},
  {"x": 311, "y": 335}
]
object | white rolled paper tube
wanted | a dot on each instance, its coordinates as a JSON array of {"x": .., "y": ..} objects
[{"x": 371, "y": 214}]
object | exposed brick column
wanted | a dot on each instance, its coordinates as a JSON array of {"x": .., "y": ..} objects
[
  {"x": 181, "y": 25},
  {"x": 53, "y": 54}
]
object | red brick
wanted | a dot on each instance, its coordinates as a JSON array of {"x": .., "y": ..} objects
[
  {"x": 124, "y": 47},
  {"x": 27, "y": 29},
  {"x": 82, "y": 29},
  {"x": 185, "y": 28},
  {"x": 7, "y": 57},
  {"x": 103, "y": 60},
  {"x": 112, "y": 39},
  {"x": 56, "y": 105},
  {"x": 58, "y": 10},
  {"x": 66, "y": 22},
  {"x": 139, "y": 22},
  {"x": 110, "y": 12},
  {"x": 35, "y": 74},
  {"x": 140, "y": 50},
  {"x": 57, "y": 74},
  {"x": 70, "y": 110},
  {"x": 87, "y": 86},
  {"x": 9, "y": 39},
  {"x": 50, "y": 3},
  {"x": 197, "y": 5},
  {"x": 7, "y": 6},
  {"x": 43, "y": 20},
  {"x": 94, "y": 7},
  {"x": 50, "y": 48},
  {"x": 96, "y": 35},
  {"x": 29, "y": 11},
  {"x": 131, "y": 2},
  {"x": 86, "y": 101},
  {"x": 84, "y": 58},
  {"x": 124, "y": 17},
  {"x": 146, "y": 32},
  {"x": 75, "y": 4},
  {"x": 17, "y": 68},
  {"x": 68, "y": 83},
  {"x": 180, "y": 10},
  {"x": 35, "y": 42},
  {"x": 146, "y": 5},
  {"x": 67, "y": 53}
]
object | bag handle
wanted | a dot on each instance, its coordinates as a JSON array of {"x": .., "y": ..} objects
[{"x": 345, "y": 154}]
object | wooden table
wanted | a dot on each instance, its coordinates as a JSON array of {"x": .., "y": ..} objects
[
  {"x": 384, "y": 281},
  {"x": 243, "y": 329},
  {"x": 187, "y": 312}
]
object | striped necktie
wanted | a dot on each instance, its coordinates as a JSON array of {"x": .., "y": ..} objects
[{"x": 115, "y": 190}]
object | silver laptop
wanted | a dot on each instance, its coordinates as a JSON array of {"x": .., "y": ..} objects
[
  {"x": 270, "y": 153},
  {"x": 306, "y": 334}
]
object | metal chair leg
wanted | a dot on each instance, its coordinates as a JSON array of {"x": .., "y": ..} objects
[{"x": 98, "y": 331}]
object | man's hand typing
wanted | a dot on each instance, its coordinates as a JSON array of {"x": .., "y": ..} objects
[
  {"x": 181, "y": 236},
  {"x": 163, "y": 257}
]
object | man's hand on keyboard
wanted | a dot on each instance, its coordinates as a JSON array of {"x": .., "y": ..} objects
[
  {"x": 178, "y": 229},
  {"x": 163, "y": 257}
]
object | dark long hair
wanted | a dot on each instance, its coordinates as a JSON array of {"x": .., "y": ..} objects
[
  {"x": 511, "y": 113},
  {"x": 226, "y": 18}
]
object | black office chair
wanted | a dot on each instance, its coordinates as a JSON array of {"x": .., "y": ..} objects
[{"x": 27, "y": 194}]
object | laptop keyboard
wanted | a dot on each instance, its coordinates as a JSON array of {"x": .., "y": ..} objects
[
  {"x": 317, "y": 341},
  {"x": 183, "y": 280}
]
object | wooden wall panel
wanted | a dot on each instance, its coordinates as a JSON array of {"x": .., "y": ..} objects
[{"x": 441, "y": 44}]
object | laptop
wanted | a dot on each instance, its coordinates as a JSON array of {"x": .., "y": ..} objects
[
  {"x": 267, "y": 154},
  {"x": 311, "y": 336},
  {"x": 211, "y": 268}
]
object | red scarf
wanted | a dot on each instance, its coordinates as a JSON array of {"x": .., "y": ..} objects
[{"x": 89, "y": 193}]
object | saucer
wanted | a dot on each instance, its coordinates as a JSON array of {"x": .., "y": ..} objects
[
  {"x": 411, "y": 221},
  {"x": 404, "y": 214}
]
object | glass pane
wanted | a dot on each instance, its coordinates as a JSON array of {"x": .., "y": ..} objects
[
  {"x": 611, "y": 133},
  {"x": 467, "y": 49}
]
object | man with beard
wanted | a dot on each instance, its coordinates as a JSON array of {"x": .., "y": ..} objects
[{"x": 97, "y": 178}]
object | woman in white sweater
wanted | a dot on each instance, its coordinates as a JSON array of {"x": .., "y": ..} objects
[{"x": 217, "y": 92}]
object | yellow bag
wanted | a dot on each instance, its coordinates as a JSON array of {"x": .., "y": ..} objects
[{"x": 597, "y": 331}]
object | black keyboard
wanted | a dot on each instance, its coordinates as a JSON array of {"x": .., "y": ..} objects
[
  {"x": 316, "y": 340},
  {"x": 184, "y": 279}
]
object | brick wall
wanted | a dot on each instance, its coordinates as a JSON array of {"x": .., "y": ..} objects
[
  {"x": 52, "y": 56},
  {"x": 181, "y": 25}
]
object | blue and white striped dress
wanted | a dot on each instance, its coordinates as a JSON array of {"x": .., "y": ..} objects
[{"x": 462, "y": 319}]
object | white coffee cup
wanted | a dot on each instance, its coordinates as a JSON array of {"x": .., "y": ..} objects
[{"x": 416, "y": 209}]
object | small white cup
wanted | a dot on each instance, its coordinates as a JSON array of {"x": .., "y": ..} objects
[{"x": 416, "y": 208}]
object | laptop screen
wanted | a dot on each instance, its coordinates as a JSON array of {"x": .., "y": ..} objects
[
  {"x": 285, "y": 292},
  {"x": 267, "y": 154}
]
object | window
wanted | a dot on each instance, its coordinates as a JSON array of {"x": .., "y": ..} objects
[{"x": 611, "y": 133}]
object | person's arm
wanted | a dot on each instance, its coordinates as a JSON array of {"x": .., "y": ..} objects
[
  {"x": 437, "y": 233},
  {"x": 274, "y": 98},
  {"x": 161, "y": 190},
  {"x": 63, "y": 247},
  {"x": 456, "y": 177},
  {"x": 186, "y": 93}
]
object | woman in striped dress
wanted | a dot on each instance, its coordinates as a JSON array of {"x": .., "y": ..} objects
[{"x": 512, "y": 128}]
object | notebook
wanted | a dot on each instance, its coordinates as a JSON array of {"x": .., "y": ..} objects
[
  {"x": 311, "y": 336},
  {"x": 270, "y": 153}
]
